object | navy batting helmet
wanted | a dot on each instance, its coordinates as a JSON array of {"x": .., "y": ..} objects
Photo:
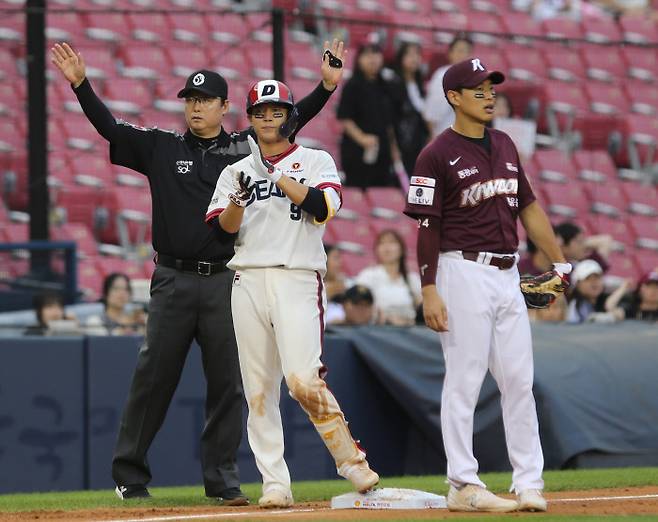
[{"x": 269, "y": 91}]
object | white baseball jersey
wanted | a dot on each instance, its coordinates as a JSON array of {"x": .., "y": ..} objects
[{"x": 275, "y": 232}]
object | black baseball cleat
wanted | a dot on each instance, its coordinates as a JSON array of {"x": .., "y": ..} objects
[
  {"x": 131, "y": 492},
  {"x": 232, "y": 497}
]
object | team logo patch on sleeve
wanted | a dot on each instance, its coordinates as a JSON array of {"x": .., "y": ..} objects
[{"x": 420, "y": 195}]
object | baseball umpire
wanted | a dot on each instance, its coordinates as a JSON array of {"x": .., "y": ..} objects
[
  {"x": 191, "y": 285},
  {"x": 467, "y": 191}
]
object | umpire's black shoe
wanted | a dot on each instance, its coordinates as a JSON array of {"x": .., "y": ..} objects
[
  {"x": 131, "y": 492},
  {"x": 232, "y": 497}
]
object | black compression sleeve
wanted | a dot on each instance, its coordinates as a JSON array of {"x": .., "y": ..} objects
[
  {"x": 315, "y": 204},
  {"x": 96, "y": 111},
  {"x": 310, "y": 105},
  {"x": 427, "y": 248}
]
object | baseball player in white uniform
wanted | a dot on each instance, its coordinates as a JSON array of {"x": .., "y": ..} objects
[{"x": 278, "y": 200}]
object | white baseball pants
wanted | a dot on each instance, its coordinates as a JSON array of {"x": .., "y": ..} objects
[
  {"x": 278, "y": 318},
  {"x": 488, "y": 330}
]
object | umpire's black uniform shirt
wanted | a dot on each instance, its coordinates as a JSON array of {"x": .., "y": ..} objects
[{"x": 190, "y": 289}]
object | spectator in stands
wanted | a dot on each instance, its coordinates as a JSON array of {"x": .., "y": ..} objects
[
  {"x": 396, "y": 290},
  {"x": 588, "y": 302},
  {"x": 368, "y": 149},
  {"x": 547, "y": 9},
  {"x": 535, "y": 262},
  {"x": 576, "y": 246},
  {"x": 116, "y": 318},
  {"x": 643, "y": 304},
  {"x": 49, "y": 307},
  {"x": 358, "y": 305},
  {"x": 503, "y": 106},
  {"x": 437, "y": 111},
  {"x": 408, "y": 94}
]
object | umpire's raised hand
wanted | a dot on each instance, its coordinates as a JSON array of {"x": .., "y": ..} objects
[
  {"x": 331, "y": 75},
  {"x": 69, "y": 62}
]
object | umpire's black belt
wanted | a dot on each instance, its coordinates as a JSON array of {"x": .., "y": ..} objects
[{"x": 204, "y": 268}]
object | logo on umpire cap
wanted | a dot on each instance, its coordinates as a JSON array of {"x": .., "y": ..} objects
[{"x": 198, "y": 79}]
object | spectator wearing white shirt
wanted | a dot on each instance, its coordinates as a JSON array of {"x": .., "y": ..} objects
[
  {"x": 438, "y": 112},
  {"x": 396, "y": 290}
]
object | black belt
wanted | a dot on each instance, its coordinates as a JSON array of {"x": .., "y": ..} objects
[
  {"x": 204, "y": 268},
  {"x": 503, "y": 263}
]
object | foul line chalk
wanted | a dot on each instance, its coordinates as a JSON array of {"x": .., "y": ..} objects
[
  {"x": 589, "y": 499},
  {"x": 224, "y": 514}
]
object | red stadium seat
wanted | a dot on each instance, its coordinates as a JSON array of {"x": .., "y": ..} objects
[
  {"x": 134, "y": 269},
  {"x": 642, "y": 139},
  {"x": 647, "y": 260},
  {"x": 187, "y": 58},
  {"x": 623, "y": 266},
  {"x": 259, "y": 56},
  {"x": 646, "y": 232},
  {"x": 164, "y": 120},
  {"x": 353, "y": 236},
  {"x": 642, "y": 198},
  {"x": 568, "y": 200},
  {"x": 601, "y": 30},
  {"x": 302, "y": 60},
  {"x": 386, "y": 202},
  {"x": 230, "y": 29},
  {"x": 95, "y": 166},
  {"x": 604, "y": 63},
  {"x": 108, "y": 27},
  {"x": 522, "y": 24},
  {"x": 65, "y": 27},
  {"x": 607, "y": 199},
  {"x": 355, "y": 204},
  {"x": 554, "y": 166},
  {"x": 78, "y": 232},
  {"x": 639, "y": 29},
  {"x": 562, "y": 29},
  {"x": 80, "y": 133},
  {"x": 643, "y": 96},
  {"x": 608, "y": 98},
  {"x": 641, "y": 63},
  {"x": 617, "y": 227},
  {"x": 80, "y": 204},
  {"x": 493, "y": 59},
  {"x": 12, "y": 28},
  {"x": 353, "y": 263},
  {"x": 594, "y": 165},
  {"x": 564, "y": 64},
  {"x": 525, "y": 64},
  {"x": 16, "y": 232},
  {"x": 144, "y": 61},
  {"x": 100, "y": 61},
  {"x": 189, "y": 27},
  {"x": 231, "y": 63},
  {"x": 90, "y": 279},
  {"x": 150, "y": 27},
  {"x": 131, "y": 91}
]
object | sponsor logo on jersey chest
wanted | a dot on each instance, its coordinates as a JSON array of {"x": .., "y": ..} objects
[
  {"x": 465, "y": 173},
  {"x": 184, "y": 166}
]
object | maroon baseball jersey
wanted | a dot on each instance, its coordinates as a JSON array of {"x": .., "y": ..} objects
[{"x": 477, "y": 196}]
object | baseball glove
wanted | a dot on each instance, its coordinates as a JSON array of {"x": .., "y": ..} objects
[
  {"x": 244, "y": 188},
  {"x": 540, "y": 291}
]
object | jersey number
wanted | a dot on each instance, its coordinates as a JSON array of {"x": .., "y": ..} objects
[{"x": 295, "y": 212}]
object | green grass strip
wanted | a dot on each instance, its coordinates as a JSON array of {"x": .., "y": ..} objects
[{"x": 568, "y": 480}]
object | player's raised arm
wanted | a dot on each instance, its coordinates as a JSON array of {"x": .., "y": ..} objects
[{"x": 331, "y": 69}]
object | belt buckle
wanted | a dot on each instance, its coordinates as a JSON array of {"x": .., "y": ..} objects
[
  {"x": 503, "y": 262},
  {"x": 205, "y": 265}
]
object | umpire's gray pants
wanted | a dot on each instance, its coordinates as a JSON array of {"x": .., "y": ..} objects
[{"x": 184, "y": 306}]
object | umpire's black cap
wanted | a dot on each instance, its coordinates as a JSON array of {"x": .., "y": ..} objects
[
  {"x": 206, "y": 82},
  {"x": 468, "y": 74}
]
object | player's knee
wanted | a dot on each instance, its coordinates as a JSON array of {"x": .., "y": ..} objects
[{"x": 312, "y": 395}]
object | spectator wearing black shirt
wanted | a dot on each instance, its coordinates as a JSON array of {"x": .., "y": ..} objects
[
  {"x": 368, "y": 147},
  {"x": 408, "y": 95},
  {"x": 191, "y": 285}
]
